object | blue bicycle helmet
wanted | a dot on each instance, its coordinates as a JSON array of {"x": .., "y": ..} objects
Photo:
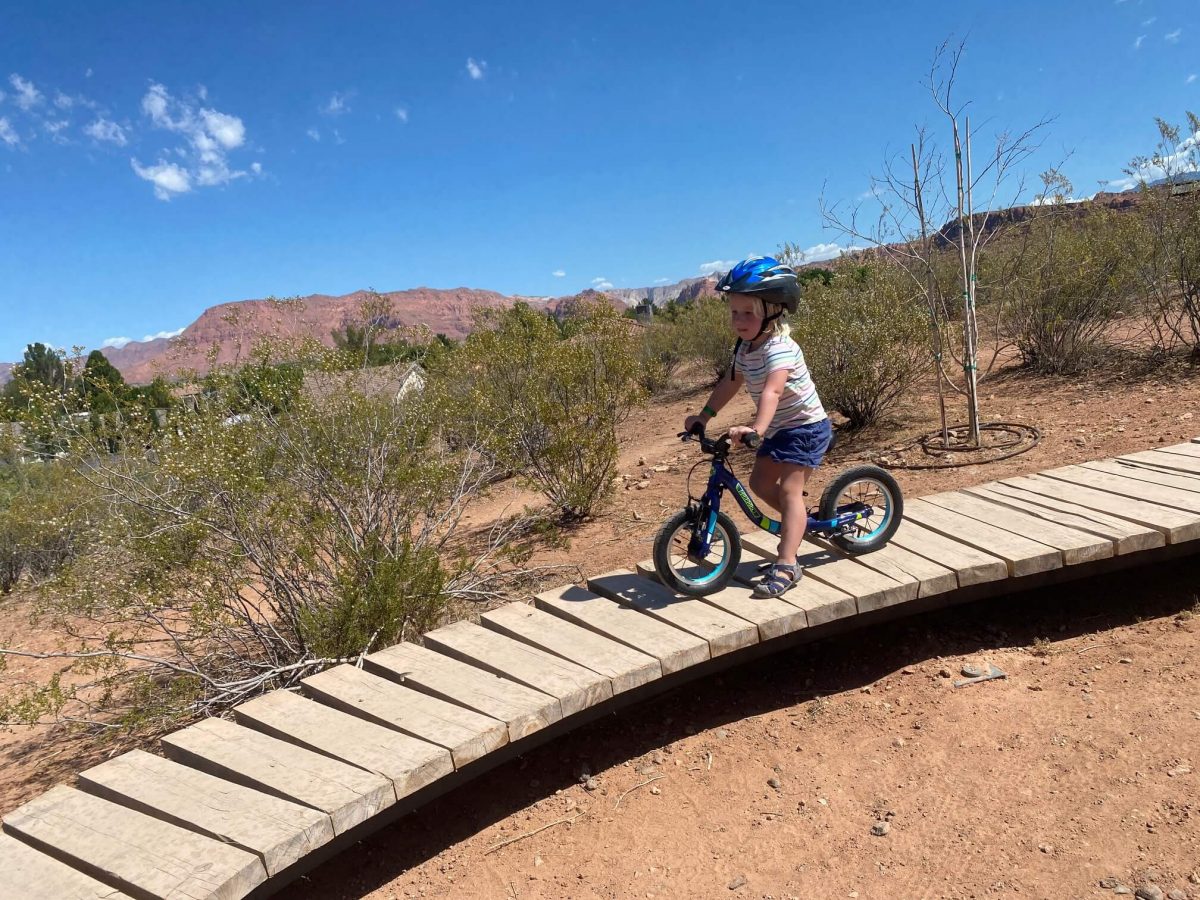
[{"x": 764, "y": 277}]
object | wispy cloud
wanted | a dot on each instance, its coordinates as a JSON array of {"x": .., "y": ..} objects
[
  {"x": 105, "y": 131},
  {"x": 1137, "y": 44},
  {"x": 559, "y": 273},
  {"x": 662, "y": 280},
  {"x": 118, "y": 342},
  {"x": 314, "y": 134},
  {"x": 27, "y": 96},
  {"x": 8, "y": 134},
  {"x": 476, "y": 69},
  {"x": 819, "y": 252},
  {"x": 1172, "y": 37},
  {"x": 717, "y": 265},
  {"x": 1150, "y": 21},
  {"x": 1190, "y": 78},
  {"x": 211, "y": 135},
  {"x": 401, "y": 114},
  {"x": 601, "y": 283},
  {"x": 338, "y": 104}
]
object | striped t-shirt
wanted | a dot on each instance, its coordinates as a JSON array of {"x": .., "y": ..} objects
[{"x": 799, "y": 403}]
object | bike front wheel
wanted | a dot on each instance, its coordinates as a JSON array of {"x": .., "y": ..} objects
[
  {"x": 676, "y": 558},
  {"x": 867, "y": 490}
]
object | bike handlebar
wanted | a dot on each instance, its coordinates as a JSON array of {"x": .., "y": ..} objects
[{"x": 721, "y": 444}]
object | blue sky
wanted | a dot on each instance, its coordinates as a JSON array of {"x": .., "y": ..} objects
[{"x": 160, "y": 158}]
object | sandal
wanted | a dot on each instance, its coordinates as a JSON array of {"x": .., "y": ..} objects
[{"x": 778, "y": 580}]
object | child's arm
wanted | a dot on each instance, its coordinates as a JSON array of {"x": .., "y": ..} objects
[{"x": 725, "y": 390}]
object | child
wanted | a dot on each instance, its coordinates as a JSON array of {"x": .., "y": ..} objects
[{"x": 794, "y": 427}]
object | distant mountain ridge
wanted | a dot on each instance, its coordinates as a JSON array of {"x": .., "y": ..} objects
[{"x": 232, "y": 327}]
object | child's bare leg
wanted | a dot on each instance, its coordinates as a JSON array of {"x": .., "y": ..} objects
[
  {"x": 793, "y": 511},
  {"x": 764, "y": 481}
]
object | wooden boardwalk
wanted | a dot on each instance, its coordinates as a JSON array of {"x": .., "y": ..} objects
[{"x": 240, "y": 808}]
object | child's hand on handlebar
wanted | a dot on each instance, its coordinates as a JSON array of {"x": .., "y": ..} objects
[
  {"x": 742, "y": 434},
  {"x": 691, "y": 422}
]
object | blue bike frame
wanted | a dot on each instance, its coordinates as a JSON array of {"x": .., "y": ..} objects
[{"x": 721, "y": 479}]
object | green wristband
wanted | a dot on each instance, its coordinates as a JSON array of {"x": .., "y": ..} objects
[{"x": 712, "y": 413}]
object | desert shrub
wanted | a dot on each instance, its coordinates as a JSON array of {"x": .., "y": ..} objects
[
  {"x": 661, "y": 356},
  {"x": 45, "y": 514},
  {"x": 545, "y": 406},
  {"x": 1163, "y": 237},
  {"x": 864, "y": 337},
  {"x": 703, "y": 334},
  {"x": 239, "y": 554},
  {"x": 1069, "y": 285}
]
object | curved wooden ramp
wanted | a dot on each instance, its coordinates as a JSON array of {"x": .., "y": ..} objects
[{"x": 240, "y": 808}]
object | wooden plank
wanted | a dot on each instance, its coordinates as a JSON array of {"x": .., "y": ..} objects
[
  {"x": 1178, "y": 480},
  {"x": 465, "y": 733},
  {"x": 347, "y": 794},
  {"x": 723, "y": 632},
  {"x": 970, "y": 566},
  {"x": 624, "y": 667},
  {"x": 772, "y": 616},
  {"x": 143, "y": 856},
  {"x": 894, "y": 561},
  {"x": 408, "y": 762},
  {"x": 673, "y": 648},
  {"x": 1127, "y": 537},
  {"x": 1185, "y": 501},
  {"x": 1185, "y": 449},
  {"x": 1161, "y": 460},
  {"x": 1175, "y": 525},
  {"x": 575, "y": 687},
  {"x": 27, "y": 874},
  {"x": 521, "y": 708},
  {"x": 869, "y": 588},
  {"x": 819, "y": 602},
  {"x": 1076, "y": 546},
  {"x": 1024, "y": 556},
  {"x": 278, "y": 831}
]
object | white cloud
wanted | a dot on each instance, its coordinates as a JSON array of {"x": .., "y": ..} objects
[
  {"x": 256, "y": 168},
  {"x": 7, "y": 134},
  {"x": 662, "y": 280},
  {"x": 337, "y": 104},
  {"x": 602, "y": 285},
  {"x": 314, "y": 134},
  {"x": 88, "y": 73},
  {"x": 163, "y": 334},
  {"x": 210, "y": 135},
  {"x": 599, "y": 279},
  {"x": 1137, "y": 45},
  {"x": 55, "y": 129},
  {"x": 1190, "y": 79},
  {"x": 27, "y": 95},
  {"x": 104, "y": 130},
  {"x": 559, "y": 273},
  {"x": 1172, "y": 37},
  {"x": 62, "y": 101},
  {"x": 476, "y": 69},
  {"x": 717, "y": 265},
  {"x": 117, "y": 342},
  {"x": 402, "y": 114},
  {"x": 819, "y": 252},
  {"x": 337, "y": 137},
  {"x": 168, "y": 179},
  {"x": 1150, "y": 21}
]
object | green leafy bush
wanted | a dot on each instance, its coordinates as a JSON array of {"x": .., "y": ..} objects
[
  {"x": 543, "y": 405},
  {"x": 864, "y": 337}
]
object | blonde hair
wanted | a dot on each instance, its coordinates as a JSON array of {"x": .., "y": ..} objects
[{"x": 779, "y": 327}]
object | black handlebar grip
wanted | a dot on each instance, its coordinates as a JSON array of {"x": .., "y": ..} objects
[
  {"x": 752, "y": 440},
  {"x": 697, "y": 429}
]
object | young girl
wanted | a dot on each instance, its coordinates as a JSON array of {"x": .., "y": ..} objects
[{"x": 794, "y": 427}]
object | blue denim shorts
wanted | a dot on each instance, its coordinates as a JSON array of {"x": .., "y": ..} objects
[{"x": 800, "y": 445}]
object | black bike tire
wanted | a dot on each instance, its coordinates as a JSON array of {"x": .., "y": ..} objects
[
  {"x": 828, "y": 507},
  {"x": 662, "y": 555}
]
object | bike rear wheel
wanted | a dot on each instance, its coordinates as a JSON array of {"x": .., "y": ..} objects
[
  {"x": 867, "y": 489},
  {"x": 677, "y": 564}
]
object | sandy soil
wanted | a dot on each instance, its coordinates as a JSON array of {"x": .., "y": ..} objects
[{"x": 767, "y": 781}]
